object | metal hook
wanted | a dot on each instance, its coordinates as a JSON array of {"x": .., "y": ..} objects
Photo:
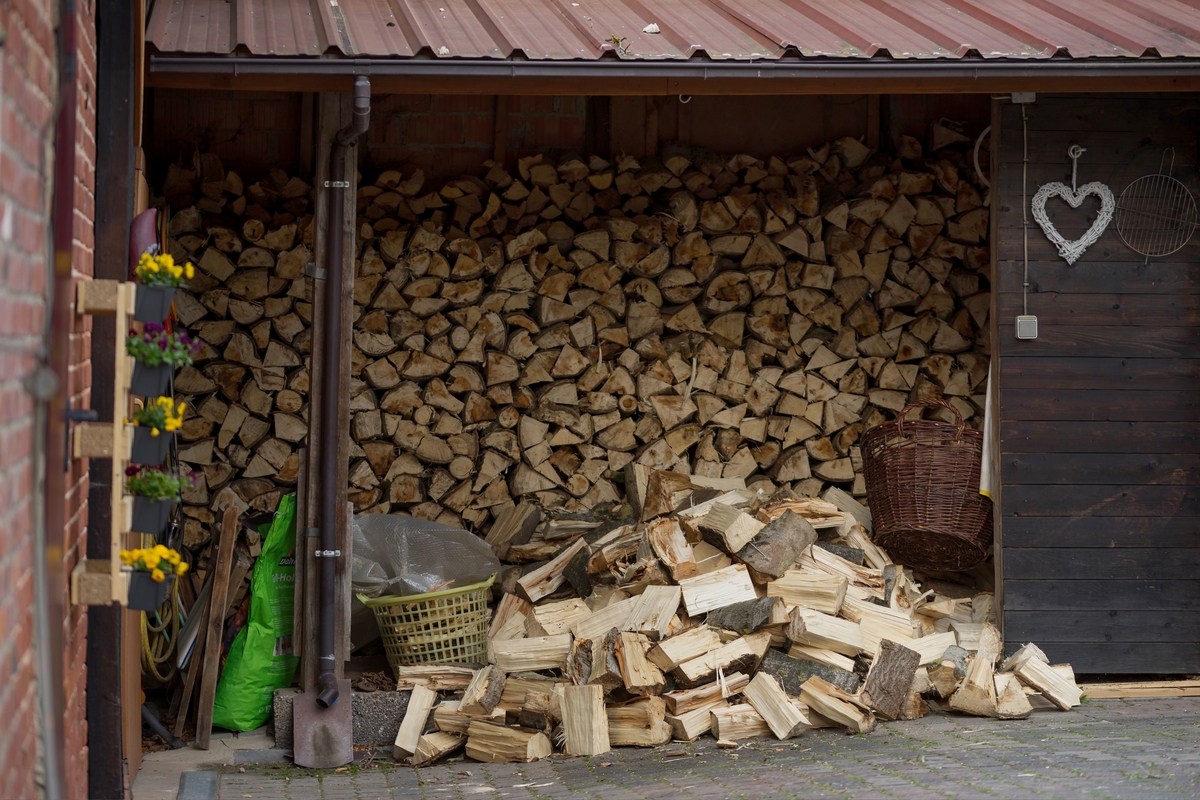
[
  {"x": 1074, "y": 152},
  {"x": 685, "y": 102}
]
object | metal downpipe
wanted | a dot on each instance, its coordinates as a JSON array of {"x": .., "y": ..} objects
[{"x": 327, "y": 690}]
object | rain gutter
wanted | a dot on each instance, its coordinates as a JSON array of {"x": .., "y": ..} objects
[{"x": 691, "y": 69}]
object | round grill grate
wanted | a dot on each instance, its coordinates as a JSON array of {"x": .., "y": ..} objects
[{"x": 1156, "y": 214}]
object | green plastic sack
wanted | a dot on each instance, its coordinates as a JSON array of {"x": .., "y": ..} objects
[{"x": 261, "y": 659}]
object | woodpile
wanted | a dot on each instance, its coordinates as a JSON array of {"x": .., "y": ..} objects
[
  {"x": 636, "y": 632},
  {"x": 530, "y": 335}
]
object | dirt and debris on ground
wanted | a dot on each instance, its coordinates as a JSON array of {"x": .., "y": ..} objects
[{"x": 1106, "y": 749}]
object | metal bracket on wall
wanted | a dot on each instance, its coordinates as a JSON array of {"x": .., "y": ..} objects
[
  {"x": 312, "y": 533},
  {"x": 311, "y": 270}
]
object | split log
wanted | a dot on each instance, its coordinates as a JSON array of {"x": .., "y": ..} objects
[
  {"x": 670, "y": 653},
  {"x": 1011, "y": 702},
  {"x": 738, "y": 722},
  {"x": 498, "y": 744},
  {"x": 977, "y": 692},
  {"x": 483, "y": 693},
  {"x": 585, "y": 721},
  {"x": 640, "y": 675},
  {"x": 834, "y": 704},
  {"x": 420, "y": 703},
  {"x": 750, "y": 615},
  {"x": 815, "y": 590},
  {"x": 776, "y": 547},
  {"x": 432, "y": 747},
  {"x": 639, "y": 723},
  {"x": 691, "y": 725},
  {"x": 532, "y": 654},
  {"x": 717, "y": 589},
  {"x": 683, "y": 701},
  {"x": 1060, "y": 691},
  {"x": 791, "y": 672},
  {"x": 438, "y": 678},
  {"x": 768, "y": 699},
  {"x": 447, "y": 717},
  {"x": 890, "y": 678},
  {"x": 740, "y": 655},
  {"x": 822, "y": 630},
  {"x": 547, "y": 578}
]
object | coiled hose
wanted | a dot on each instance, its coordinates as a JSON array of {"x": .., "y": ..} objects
[{"x": 158, "y": 646}]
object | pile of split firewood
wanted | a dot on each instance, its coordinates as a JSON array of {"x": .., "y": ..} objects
[
  {"x": 718, "y": 611},
  {"x": 528, "y": 335}
]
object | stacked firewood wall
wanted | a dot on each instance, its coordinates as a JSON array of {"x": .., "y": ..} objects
[{"x": 528, "y": 334}]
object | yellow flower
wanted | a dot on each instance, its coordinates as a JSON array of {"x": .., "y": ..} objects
[
  {"x": 158, "y": 575},
  {"x": 174, "y": 558},
  {"x": 154, "y": 431},
  {"x": 151, "y": 560},
  {"x": 162, "y": 550},
  {"x": 181, "y": 568},
  {"x": 190, "y": 271}
]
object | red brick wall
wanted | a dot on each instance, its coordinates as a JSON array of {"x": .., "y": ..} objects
[
  {"x": 26, "y": 120},
  {"x": 74, "y": 635}
]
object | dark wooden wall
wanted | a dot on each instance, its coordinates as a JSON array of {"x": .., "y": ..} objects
[{"x": 1100, "y": 416}]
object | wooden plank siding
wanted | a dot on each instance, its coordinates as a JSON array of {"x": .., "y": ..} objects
[{"x": 1100, "y": 415}]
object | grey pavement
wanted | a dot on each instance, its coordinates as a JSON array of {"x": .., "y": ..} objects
[{"x": 1135, "y": 749}]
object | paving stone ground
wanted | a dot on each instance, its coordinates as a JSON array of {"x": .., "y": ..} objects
[{"x": 1136, "y": 749}]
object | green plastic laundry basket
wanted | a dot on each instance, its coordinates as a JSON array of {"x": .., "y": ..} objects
[{"x": 448, "y": 626}]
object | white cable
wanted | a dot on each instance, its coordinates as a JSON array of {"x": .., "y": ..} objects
[{"x": 1025, "y": 208}]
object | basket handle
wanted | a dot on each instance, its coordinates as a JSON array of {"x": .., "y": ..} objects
[{"x": 931, "y": 401}]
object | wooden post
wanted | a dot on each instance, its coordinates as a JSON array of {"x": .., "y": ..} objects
[
  {"x": 307, "y": 156},
  {"x": 873, "y": 121},
  {"x": 994, "y": 386},
  {"x": 500, "y": 129},
  {"x": 652, "y": 107},
  {"x": 213, "y": 626}
]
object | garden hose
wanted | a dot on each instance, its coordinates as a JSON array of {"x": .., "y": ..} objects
[{"x": 158, "y": 646}]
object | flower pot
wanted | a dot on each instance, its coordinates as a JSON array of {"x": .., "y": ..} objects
[
  {"x": 150, "y": 381},
  {"x": 144, "y": 593},
  {"x": 151, "y": 515},
  {"x": 149, "y": 449},
  {"x": 153, "y": 303}
]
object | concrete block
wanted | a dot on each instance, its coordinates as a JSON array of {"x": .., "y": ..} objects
[{"x": 377, "y": 717}]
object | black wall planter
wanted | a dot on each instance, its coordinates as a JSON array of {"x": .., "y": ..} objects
[
  {"x": 150, "y": 381},
  {"x": 145, "y": 594},
  {"x": 153, "y": 303},
  {"x": 150, "y": 449},
  {"x": 150, "y": 515}
]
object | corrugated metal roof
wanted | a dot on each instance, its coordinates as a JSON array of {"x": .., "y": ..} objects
[{"x": 738, "y": 30}]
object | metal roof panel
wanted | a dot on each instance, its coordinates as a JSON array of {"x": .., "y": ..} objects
[{"x": 725, "y": 30}]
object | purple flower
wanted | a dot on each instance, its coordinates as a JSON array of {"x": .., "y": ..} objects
[{"x": 154, "y": 327}]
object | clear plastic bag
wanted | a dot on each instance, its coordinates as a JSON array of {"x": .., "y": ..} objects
[{"x": 399, "y": 555}]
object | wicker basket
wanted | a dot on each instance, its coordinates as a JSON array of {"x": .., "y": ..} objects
[
  {"x": 923, "y": 488},
  {"x": 443, "y": 627}
]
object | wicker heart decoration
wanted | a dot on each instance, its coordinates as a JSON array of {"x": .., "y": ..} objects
[{"x": 1071, "y": 251}]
